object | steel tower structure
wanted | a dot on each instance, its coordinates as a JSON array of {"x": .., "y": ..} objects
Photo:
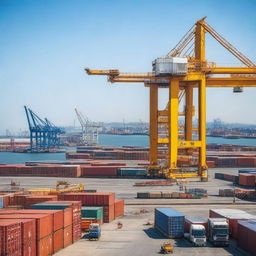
[
  {"x": 90, "y": 130},
  {"x": 44, "y": 135}
]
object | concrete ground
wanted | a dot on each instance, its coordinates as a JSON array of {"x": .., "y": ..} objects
[{"x": 136, "y": 238}]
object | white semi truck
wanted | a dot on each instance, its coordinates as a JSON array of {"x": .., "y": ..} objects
[
  {"x": 218, "y": 231},
  {"x": 197, "y": 234}
]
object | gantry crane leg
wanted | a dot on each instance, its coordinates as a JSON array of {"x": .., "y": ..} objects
[
  {"x": 153, "y": 129},
  {"x": 173, "y": 125},
  {"x": 188, "y": 112},
  {"x": 202, "y": 167}
]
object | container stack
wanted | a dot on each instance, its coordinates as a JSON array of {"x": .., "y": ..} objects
[
  {"x": 247, "y": 235},
  {"x": 72, "y": 214},
  {"x": 169, "y": 222},
  {"x": 105, "y": 200},
  {"x": 50, "y": 170},
  {"x": 227, "y": 192},
  {"x": 90, "y": 215},
  {"x": 44, "y": 231},
  {"x": 10, "y": 233},
  {"x": 233, "y": 216}
]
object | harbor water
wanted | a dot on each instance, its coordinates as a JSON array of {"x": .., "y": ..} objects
[{"x": 111, "y": 140}]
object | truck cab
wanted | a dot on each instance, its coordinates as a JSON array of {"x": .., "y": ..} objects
[
  {"x": 94, "y": 231},
  {"x": 218, "y": 229},
  {"x": 197, "y": 235}
]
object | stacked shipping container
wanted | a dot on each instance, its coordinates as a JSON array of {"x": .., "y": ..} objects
[
  {"x": 247, "y": 235},
  {"x": 233, "y": 216},
  {"x": 169, "y": 222}
]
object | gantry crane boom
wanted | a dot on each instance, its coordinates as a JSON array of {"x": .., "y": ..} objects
[{"x": 246, "y": 61}]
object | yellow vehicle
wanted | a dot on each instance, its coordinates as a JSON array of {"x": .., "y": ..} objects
[{"x": 166, "y": 247}]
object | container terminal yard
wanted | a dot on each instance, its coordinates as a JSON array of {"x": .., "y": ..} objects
[{"x": 177, "y": 196}]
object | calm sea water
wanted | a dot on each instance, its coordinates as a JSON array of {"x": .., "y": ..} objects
[{"x": 106, "y": 139}]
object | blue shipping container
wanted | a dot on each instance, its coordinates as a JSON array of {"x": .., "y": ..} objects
[
  {"x": 169, "y": 222},
  {"x": 247, "y": 171},
  {"x": 44, "y": 206},
  {"x": 1, "y": 202}
]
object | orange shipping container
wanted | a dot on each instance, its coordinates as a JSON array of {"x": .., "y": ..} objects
[
  {"x": 58, "y": 216},
  {"x": 45, "y": 246},
  {"x": 44, "y": 222},
  {"x": 85, "y": 223},
  {"x": 68, "y": 217},
  {"x": 108, "y": 213},
  {"x": 10, "y": 238},
  {"x": 247, "y": 179},
  {"x": 58, "y": 240},
  {"x": 119, "y": 208},
  {"x": 29, "y": 249},
  {"x": 67, "y": 236}
]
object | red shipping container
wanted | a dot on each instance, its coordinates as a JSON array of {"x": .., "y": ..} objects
[
  {"x": 45, "y": 246},
  {"x": 233, "y": 216},
  {"x": 5, "y": 200},
  {"x": 245, "y": 161},
  {"x": 67, "y": 236},
  {"x": 247, "y": 179},
  {"x": 76, "y": 231},
  {"x": 119, "y": 208},
  {"x": 90, "y": 199},
  {"x": 58, "y": 216},
  {"x": 10, "y": 237},
  {"x": 58, "y": 240},
  {"x": 108, "y": 213},
  {"x": 29, "y": 249},
  {"x": 98, "y": 171},
  {"x": 210, "y": 164},
  {"x": 247, "y": 235},
  {"x": 19, "y": 199},
  {"x": 44, "y": 222},
  {"x": 28, "y": 230}
]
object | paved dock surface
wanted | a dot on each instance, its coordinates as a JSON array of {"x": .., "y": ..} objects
[{"x": 136, "y": 238}]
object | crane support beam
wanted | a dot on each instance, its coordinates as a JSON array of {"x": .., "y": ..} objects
[
  {"x": 231, "y": 82},
  {"x": 153, "y": 127},
  {"x": 230, "y": 70},
  {"x": 173, "y": 123},
  {"x": 188, "y": 112},
  {"x": 202, "y": 130}
]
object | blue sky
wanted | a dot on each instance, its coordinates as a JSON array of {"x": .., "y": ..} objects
[{"x": 45, "y": 45}]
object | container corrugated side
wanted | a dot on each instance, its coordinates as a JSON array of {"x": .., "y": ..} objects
[
  {"x": 169, "y": 222},
  {"x": 92, "y": 212},
  {"x": 247, "y": 235}
]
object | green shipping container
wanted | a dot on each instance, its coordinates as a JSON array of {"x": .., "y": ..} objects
[
  {"x": 43, "y": 206},
  {"x": 132, "y": 172},
  {"x": 92, "y": 212}
]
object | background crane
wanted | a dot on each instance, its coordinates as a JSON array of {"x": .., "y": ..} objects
[
  {"x": 90, "y": 130},
  {"x": 44, "y": 135}
]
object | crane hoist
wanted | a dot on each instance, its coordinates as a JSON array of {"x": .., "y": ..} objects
[{"x": 182, "y": 70}]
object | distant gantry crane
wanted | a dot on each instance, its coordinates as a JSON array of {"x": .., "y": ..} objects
[
  {"x": 90, "y": 130},
  {"x": 182, "y": 70},
  {"x": 44, "y": 135}
]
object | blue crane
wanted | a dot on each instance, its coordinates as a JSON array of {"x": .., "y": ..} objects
[{"x": 44, "y": 135}]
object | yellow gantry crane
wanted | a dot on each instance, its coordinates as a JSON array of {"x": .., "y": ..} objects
[{"x": 182, "y": 70}]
